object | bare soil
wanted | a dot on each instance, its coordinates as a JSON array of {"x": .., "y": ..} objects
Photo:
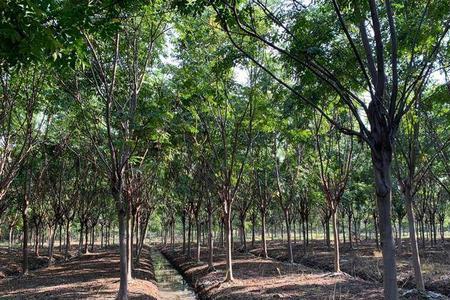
[
  {"x": 258, "y": 278},
  {"x": 90, "y": 276},
  {"x": 365, "y": 261}
]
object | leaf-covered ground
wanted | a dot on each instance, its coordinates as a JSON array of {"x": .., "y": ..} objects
[
  {"x": 90, "y": 276},
  {"x": 258, "y": 278},
  {"x": 365, "y": 262}
]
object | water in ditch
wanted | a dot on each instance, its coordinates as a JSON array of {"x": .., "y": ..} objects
[{"x": 171, "y": 284}]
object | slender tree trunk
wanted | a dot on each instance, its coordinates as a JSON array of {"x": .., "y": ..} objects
[
  {"x": 253, "y": 229},
  {"x": 350, "y": 238},
  {"x": 10, "y": 237},
  {"x": 189, "y": 254},
  {"x": 25, "y": 235},
  {"x": 229, "y": 265},
  {"x": 86, "y": 239},
  {"x": 288, "y": 235},
  {"x": 142, "y": 239},
  {"x": 263, "y": 234},
  {"x": 413, "y": 242},
  {"x": 66, "y": 251},
  {"x": 210, "y": 244},
  {"x": 198, "y": 238},
  {"x": 51, "y": 243},
  {"x": 337, "y": 267},
  {"x": 129, "y": 241},
  {"x": 60, "y": 237},
  {"x": 183, "y": 221},
  {"x": 327, "y": 232},
  {"x": 375, "y": 225}
]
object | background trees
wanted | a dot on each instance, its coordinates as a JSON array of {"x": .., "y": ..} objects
[{"x": 207, "y": 117}]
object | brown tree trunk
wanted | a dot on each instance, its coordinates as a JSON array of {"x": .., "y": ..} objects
[
  {"x": 288, "y": 235},
  {"x": 25, "y": 235},
  {"x": 337, "y": 267},
  {"x": 210, "y": 244},
  {"x": 229, "y": 266},
  {"x": 263, "y": 234},
  {"x": 382, "y": 170},
  {"x": 66, "y": 251},
  {"x": 413, "y": 242},
  {"x": 198, "y": 238},
  {"x": 123, "y": 288}
]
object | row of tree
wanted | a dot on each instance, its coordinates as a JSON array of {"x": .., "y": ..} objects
[{"x": 206, "y": 112}]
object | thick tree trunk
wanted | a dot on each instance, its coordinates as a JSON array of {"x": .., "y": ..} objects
[
  {"x": 123, "y": 288},
  {"x": 382, "y": 170}
]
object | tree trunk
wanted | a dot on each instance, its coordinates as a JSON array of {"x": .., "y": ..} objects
[
  {"x": 382, "y": 170},
  {"x": 288, "y": 235},
  {"x": 263, "y": 234},
  {"x": 198, "y": 238},
  {"x": 189, "y": 237},
  {"x": 229, "y": 266},
  {"x": 129, "y": 241},
  {"x": 253, "y": 229},
  {"x": 337, "y": 267},
  {"x": 350, "y": 238},
  {"x": 123, "y": 222},
  {"x": 66, "y": 251},
  {"x": 210, "y": 244},
  {"x": 80, "y": 239},
  {"x": 60, "y": 237},
  {"x": 51, "y": 243},
  {"x": 25, "y": 236},
  {"x": 413, "y": 242}
]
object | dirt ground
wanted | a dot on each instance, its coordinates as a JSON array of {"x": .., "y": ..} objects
[
  {"x": 258, "y": 278},
  {"x": 90, "y": 276},
  {"x": 365, "y": 262}
]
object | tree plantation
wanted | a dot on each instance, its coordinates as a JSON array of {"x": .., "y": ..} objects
[{"x": 225, "y": 149}]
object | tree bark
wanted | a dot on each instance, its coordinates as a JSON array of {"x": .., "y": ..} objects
[
  {"x": 382, "y": 169},
  {"x": 66, "y": 251},
  {"x": 123, "y": 288},
  {"x": 413, "y": 242},
  {"x": 337, "y": 267},
  {"x": 263, "y": 234},
  {"x": 229, "y": 266}
]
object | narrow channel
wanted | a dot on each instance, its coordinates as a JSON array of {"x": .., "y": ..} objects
[{"x": 171, "y": 284}]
